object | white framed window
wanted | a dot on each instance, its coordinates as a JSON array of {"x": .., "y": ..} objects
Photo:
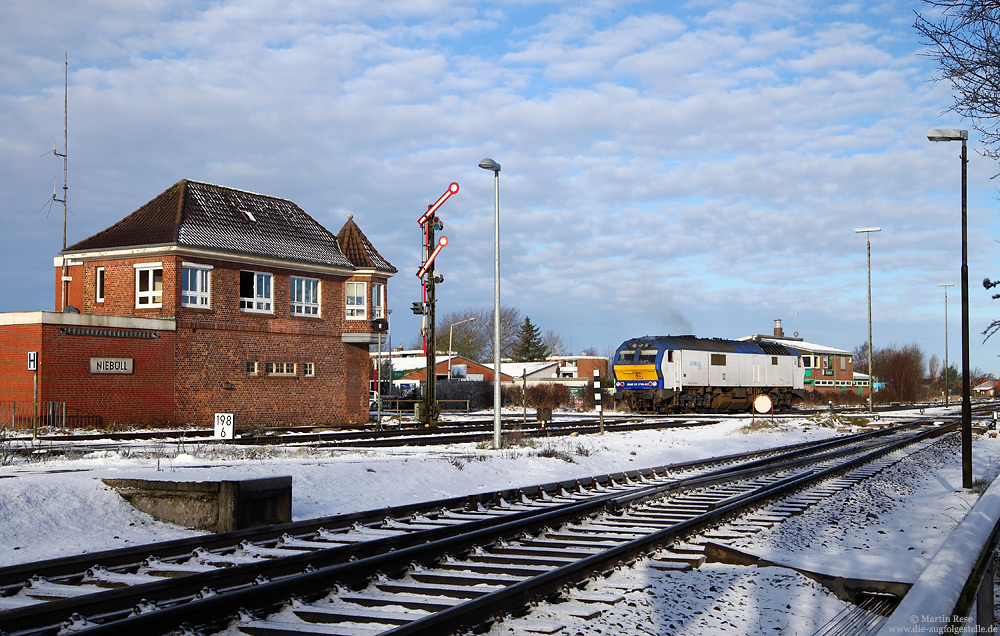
[
  {"x": 148, "y": 285},
  {"x": 251, "y": 367},
  {"x": 305, "y": 296},
  {"x": 256, "y": 292},
  {"x": 354, "y": 300},
  {"x": 378, "y": 300},
  {"x": 309, "y": 369},
  {"x": 196, "y": 281},
  {"x": 99, "y": 285},
  {"x": 281, "y": 368}
]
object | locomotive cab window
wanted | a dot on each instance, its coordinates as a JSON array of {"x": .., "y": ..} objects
[
  {"x": 625, "y": 356},
  {"x": 670, "y": 356},
  {"x": 647, "y": 356},
  {"x": 719, "y": 359}
]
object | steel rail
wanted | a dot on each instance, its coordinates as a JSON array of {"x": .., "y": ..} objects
[
  {"x": 207, "y": 610},
  {"x": 520, "y": 593},
  {"x": 70, "y": 566}
]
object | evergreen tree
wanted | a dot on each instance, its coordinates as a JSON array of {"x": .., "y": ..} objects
[{"x": 528, "y": 343}]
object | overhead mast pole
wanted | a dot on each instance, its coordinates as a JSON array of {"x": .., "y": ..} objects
[{"x": 64, "y": 155}]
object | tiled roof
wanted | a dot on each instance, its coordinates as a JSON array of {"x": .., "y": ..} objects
[
  {"x": 195, "y": 214},
  {"x": 358, "y": 249}
]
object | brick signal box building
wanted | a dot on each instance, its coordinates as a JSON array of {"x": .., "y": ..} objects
[{"x": 206, "y": 299}]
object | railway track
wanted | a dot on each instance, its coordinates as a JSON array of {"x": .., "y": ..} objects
[
  {"x": 401, "y": 434},
  {"x": 419, "y": 569},
  {"x": 371, "y": 437}
]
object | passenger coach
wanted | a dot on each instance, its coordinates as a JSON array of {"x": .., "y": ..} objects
[{"x": 664, "y": 373}]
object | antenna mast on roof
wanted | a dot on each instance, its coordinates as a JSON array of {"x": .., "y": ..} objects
[{"x": 64, "y": 278}]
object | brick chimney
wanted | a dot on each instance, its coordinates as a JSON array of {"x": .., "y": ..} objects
[{"x": 778, "y": 331}]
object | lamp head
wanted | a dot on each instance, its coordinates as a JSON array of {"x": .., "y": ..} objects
[
  {"x": 947, "y": 134},
  {"x": 861, "y": 230},
  {"x": 489, "y": 164}
]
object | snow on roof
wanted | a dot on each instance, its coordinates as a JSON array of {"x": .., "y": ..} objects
[
  {"x": 522, "y": 369},
  {"x": 412, "y": 363},
  {"x": 800, "y": 345}
]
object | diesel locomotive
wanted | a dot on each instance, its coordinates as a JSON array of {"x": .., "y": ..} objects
[{"x": 685, "y": 373}]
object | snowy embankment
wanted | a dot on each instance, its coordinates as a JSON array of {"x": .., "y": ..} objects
[{"x": 57, "y": 507}]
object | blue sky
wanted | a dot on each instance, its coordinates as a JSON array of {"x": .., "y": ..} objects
[{"x": 667, "y": 168}]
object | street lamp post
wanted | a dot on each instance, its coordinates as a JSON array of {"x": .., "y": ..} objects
[
  {"x": 955, "y": 134},
  {"x": 871, "y": 376},
  {"x": 489, "y": 164},
  {"x": 451, "y": 327},
  {"x": 947, "y": 386}
]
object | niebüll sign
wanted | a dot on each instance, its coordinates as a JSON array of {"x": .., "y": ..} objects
[{"x": 111, "y": 365}]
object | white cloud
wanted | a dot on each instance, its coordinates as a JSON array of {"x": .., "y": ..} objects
[{"x": 692, "y": 168}]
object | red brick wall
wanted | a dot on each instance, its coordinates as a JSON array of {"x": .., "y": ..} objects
[
  {"x": 210, "y": 358},
  {"x": 585, "y": 367},
  {"x": 184, "y": 375},
  {"x": 144, "y": 397},
  {"x": 15, "y": 343}
]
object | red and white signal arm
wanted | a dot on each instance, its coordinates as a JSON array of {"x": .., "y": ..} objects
[
  {"x": 452, "y": 189},
  {"x": 430, "y": 259}
]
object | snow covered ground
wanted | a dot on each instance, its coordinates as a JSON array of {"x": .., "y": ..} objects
[{"x": 57, "y": 506}]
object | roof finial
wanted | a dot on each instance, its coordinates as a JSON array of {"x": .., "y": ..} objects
[{"x": 350, "y": 217}]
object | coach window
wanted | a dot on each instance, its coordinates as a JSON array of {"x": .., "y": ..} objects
[
  {"x": 354, "y": 300},
  {"x": 148, "y": 285},
  {"x": 774, "y": 361},
  {"x": 99, "y": 285},
  {"x": 196, "y": 285},
  {"x": 718, "y": 359},
  {"x": 256, "y": 293}
]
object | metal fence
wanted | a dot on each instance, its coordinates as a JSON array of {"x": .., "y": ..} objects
[{"x": 19, "y": 414}]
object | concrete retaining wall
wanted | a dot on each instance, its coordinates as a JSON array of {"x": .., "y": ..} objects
[{"x": 217, "y": 506}]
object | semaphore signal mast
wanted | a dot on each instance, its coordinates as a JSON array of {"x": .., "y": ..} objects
[{"x": 430, "y": 223}]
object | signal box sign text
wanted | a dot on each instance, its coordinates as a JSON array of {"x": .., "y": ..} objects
[{"x": 121, "y": 366}]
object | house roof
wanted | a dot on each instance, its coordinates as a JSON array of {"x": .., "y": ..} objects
[
  {"x": 202, "y": 215},
  {"x": 529, "y": 369},
  {"x": 799, "y": 345},
  {"x": 358, "y": 249}
]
